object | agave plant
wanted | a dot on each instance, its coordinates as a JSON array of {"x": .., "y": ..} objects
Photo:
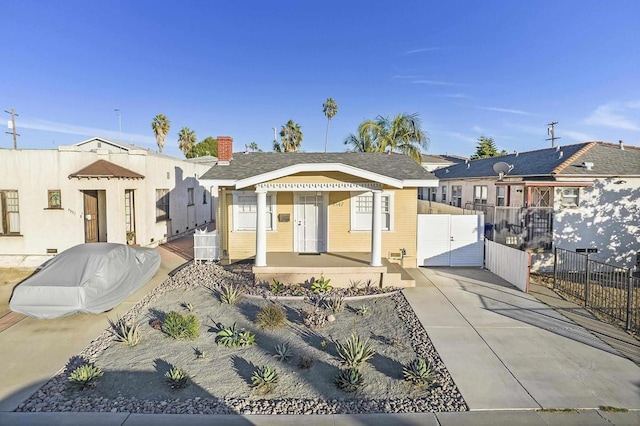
[
  {"x": 418, "y": 372},
  {"x": 85, "y": 375},
  {"x": 276, "y": 286},
  {"x": 234, "y": 337},
  {"x": 283, "y": 352},
  {"x": 264, "y": 378},
  {"x": 321, "y": 285},
  {"x": 177, "y": 378},
  {"x": 129, "y": 334},
  {"x": 335, "y": 303},
  {"x": 349, "y": 380},
  {"x": 354, "y": 351},
  {"x": 230, "y": 294}
]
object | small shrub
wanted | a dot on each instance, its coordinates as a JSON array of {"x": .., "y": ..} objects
[
  {"x": 265, "y": 378},
  {"x": 354, "y": 351},
  {"x": 276, "y": 286},
  {"x": 180, "y": 326},
  {"x": 305, "y": 363},
  {"x": 349, "y": 380},
  {"x": 418, "y": 372},
  {"x": 283, "y": 352},
  {"x": 314, "y": 318},
  {"x": 177, "y": 378},
  {"x": 126, "y": 333},
  {"x": 335, "y": 303},
  {"x": 321, "y": 285},
  {"x": 230, "y": 294},
  {"x": 156, "y": 324},
  {"x": 362, "y": 310},
  {"x": 233, "y": 337},
  {"x": 271, "y": 316},
  {"x": 296, "y": 289},
  {"x": 85, "y": 376}
]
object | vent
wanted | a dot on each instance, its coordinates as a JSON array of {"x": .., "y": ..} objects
[
  {"x": 52, "y": 251},
  {"x": 587, "y": 165},
  {"x": 560, "y": 155}
]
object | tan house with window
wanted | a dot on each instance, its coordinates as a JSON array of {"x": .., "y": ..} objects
[
  {"x": 578, "y": 196},
  {"x": 95, "y": 191},
  {"x": 358, "y": 205}
]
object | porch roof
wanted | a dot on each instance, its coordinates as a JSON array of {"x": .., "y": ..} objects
[
  {"x": 247, "y": 169},
  {"x": 105, "y": 169}
]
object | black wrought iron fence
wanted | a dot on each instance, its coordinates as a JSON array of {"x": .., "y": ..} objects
[{"x": 608, "y": 289}]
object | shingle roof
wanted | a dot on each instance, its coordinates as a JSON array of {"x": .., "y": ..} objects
[
  {"x": 246, "y": 165},
  {"x": 608, "y": 160},
  {"x": 431, "y": 158},
  {"x": 105, "y": 169}
]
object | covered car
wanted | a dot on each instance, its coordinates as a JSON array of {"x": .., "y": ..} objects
[{"x": 89, "y": 278}]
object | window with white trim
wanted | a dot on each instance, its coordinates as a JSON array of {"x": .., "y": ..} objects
[
  {"x": 9, "y": 213},
  {"x": 245, "y": 209},
  {"x": 570, "y": 197},
  {"x": 480, "y": 194},
  {"x": 456, "y": 195},
  {"x": 362, "y": 208},
  {"x": 444, "y": 194},
  {"x": 500, "y": 195}
]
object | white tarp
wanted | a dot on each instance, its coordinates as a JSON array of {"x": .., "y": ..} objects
[{"x": 90, "y": 278}]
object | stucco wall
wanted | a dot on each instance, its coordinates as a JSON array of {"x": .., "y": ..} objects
[{"x": 33, "y": 172}]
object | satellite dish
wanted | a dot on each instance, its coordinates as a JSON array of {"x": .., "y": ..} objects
[{"x": 501, "y": 168}]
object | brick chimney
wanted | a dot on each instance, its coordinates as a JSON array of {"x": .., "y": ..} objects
[{"x": 225, "y": 149}]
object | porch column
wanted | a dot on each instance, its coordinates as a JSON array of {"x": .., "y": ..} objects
[
  {"x": 376, "y": 229},
  {"x": 261, "y": 228}
]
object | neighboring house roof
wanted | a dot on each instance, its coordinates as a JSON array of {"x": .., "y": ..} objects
[
  {"x": 123, "y": 146},
  {"x": 571, "y": 160},
  {"x": 105, "y": 169},
  {"x": 255, "y": 167},
  {"x": 437, "y": 159}
]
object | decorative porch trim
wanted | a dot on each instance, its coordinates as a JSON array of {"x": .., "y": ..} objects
[{"x": 315, "y": 186}]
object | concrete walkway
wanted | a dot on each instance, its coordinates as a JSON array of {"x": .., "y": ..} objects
[{"x": 507, "y": 350}]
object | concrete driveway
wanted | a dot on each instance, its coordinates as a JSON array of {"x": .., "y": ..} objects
[{"x": 507, "y": 350}]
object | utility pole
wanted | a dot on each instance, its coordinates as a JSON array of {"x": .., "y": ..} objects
[
  {"x": 551, "y": 130},
  {"x": 13, "y": 127}
]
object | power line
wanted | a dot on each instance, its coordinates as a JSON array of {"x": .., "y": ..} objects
[{"x": 13, "y": 127}]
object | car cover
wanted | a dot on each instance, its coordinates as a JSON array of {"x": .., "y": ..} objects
[{"x": 90, "y": 278}]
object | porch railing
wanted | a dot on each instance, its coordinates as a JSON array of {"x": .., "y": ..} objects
[{"x": 610, "y": 290}]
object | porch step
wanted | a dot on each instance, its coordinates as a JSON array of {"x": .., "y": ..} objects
[{"x": 396, "y": 276}]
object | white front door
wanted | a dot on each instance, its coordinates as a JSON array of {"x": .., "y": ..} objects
[{"x": 310, "y": 223}]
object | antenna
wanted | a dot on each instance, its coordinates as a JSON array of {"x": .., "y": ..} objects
[
  {"x": 551, "y": 130},
  {"x": 501, "y": 168},
  {"x": 12, "y": 127}
]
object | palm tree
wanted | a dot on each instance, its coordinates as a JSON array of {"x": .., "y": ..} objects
[
  {"x": 291, "y": 137},
  {"x": 402, "y": 134},
  {"x": 363, "y": 141},
  {"x": 186, "y": 140},
  {"x": 329, "y": 108},
  {"x": 160, "y": 126}
]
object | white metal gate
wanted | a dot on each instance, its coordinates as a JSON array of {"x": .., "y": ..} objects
[{"x": 450, "y": 240}]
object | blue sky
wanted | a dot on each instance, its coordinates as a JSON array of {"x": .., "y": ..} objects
[{"x": 499, "y": 68}]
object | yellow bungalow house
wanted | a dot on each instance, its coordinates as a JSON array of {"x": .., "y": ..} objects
[{"x": 344, "y": 215}]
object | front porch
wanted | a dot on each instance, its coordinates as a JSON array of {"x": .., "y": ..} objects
[{"x": 340, "y": 267}]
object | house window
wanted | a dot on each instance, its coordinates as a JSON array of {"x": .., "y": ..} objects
[
  {"x": 54, "y": 200},
  {"x": 456, "y": 195},
  {"x": 444, "y": 194},
  {"x": 362, "y": 208},
  {"x": 500, "y": 195},
  {"x": 570, "y": 197},
  {"x": 162, "y": 204},
  {"x": 245, "y": 208},
  {"x": 9, "y": 213},
  {"x": 190, "y": 196},
  {"x": 480, "y": 194},
  {"x": 204, "y": 197}
]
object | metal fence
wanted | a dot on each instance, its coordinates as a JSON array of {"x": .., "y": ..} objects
[
  {"x": 608, "y": 289},
  {"x": 519, "y": 227}
]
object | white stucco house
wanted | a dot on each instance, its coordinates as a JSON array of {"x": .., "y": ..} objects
[
  {"x": 95, "y": 191},
  {"x": 582, "y": 196},
  {"x": 431, "y": 162}
]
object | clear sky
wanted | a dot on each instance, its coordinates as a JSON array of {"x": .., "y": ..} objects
[{"x": 499, "y": 68}]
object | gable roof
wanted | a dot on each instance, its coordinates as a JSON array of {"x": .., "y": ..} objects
[
  {"x": 608, "y": 160},
  {"x": 247, "y": 169},
  {"x": 105, "y": 169}
]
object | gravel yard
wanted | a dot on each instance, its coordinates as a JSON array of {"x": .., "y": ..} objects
[{"x": 133, "y": 379}]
